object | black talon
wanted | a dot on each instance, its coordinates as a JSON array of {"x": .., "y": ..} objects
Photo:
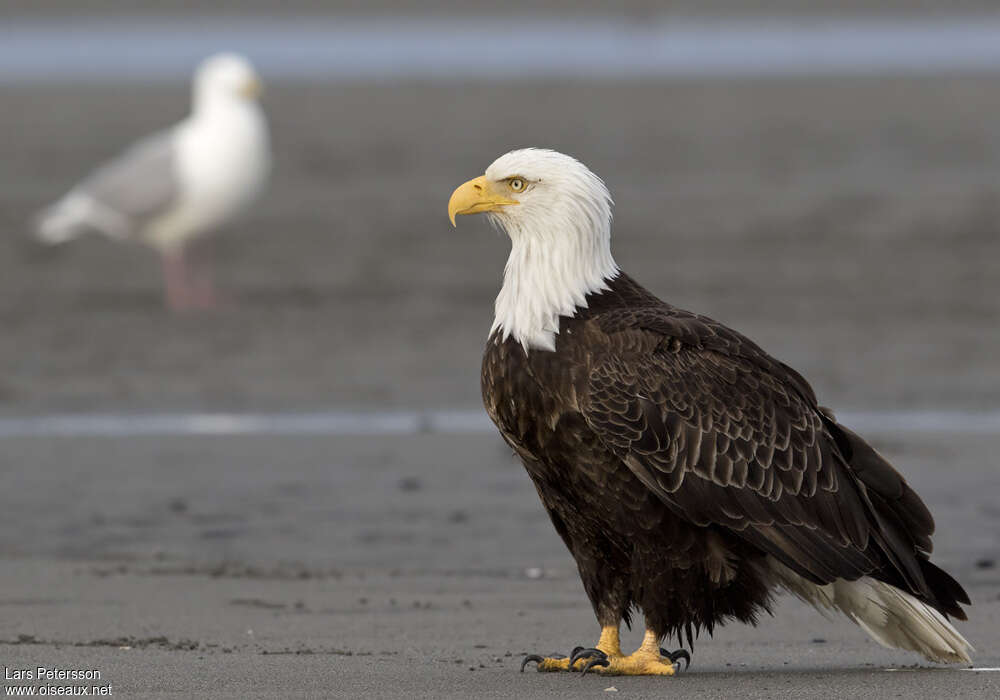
[
  {"x": 529, "y": 658},
  {"x": 581, "y": 653},
  {"x": 599, "y": 661},
  {"x": 676, "y": 656}
]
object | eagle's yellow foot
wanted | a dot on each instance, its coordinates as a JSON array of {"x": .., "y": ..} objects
[
  {"x": 648, "y": 660},
  {"x": 556, "y": 662},
  {"x": 638, "y": 664},
  {"x": 579, "y": 658}
]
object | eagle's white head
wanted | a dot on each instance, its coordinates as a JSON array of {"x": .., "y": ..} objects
[{"x": 558, "y": 216}]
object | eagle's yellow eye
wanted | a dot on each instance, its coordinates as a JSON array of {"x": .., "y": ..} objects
[{"x": 516, "y": 184}]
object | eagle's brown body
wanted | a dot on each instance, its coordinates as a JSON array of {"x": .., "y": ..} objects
[{"x": 685, "y": 469}]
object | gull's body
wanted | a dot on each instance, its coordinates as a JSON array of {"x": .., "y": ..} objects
[
  {"x": 689, "y": 473},
  {"x": 179, "y": 184}
]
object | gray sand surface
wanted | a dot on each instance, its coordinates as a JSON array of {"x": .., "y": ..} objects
[
  {"x": 418, "y": 567},
  {"x": 850, "y": 226}
]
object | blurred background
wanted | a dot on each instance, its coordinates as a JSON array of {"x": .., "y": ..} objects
[
  {"x": 825, "y": 179},
  {"x": 828, "y": 186}
]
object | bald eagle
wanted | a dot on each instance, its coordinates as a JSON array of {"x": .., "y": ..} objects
[{"x": 690, "y": 474}]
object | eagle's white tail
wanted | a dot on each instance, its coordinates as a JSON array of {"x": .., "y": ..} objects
[{"x": 892, "y": 617}]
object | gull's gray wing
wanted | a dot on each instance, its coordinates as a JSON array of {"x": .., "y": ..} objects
[
  {"x": 139, "y": 184},
  {"x": 121, "y": 196}
]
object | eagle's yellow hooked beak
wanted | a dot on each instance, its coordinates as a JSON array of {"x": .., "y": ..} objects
[{"x": 475, "y": 197}]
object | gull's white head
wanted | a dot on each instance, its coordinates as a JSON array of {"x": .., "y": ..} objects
[
  {"x": 225, "y": 78},
  {"x": 558, "y": 216}
]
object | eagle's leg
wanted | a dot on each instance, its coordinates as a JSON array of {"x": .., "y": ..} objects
[
  {"x": 647, "y": 660},
  {"x": 607, "y": 646}
]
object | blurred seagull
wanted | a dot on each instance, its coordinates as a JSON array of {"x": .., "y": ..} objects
[{"x": 178, "y": 184}]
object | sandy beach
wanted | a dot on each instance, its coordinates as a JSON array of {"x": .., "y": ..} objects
[{"x": 420, "y": 567}]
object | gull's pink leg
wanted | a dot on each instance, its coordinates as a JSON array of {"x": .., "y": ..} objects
[
  {"x": 204, "y": 294},
  {"x": 188, "y": 282},
  {"x": 176, "y": 281}
]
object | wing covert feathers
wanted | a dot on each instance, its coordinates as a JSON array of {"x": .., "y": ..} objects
[{"x": 728, "y": 436}]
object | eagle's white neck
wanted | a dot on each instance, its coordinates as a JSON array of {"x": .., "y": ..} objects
[{"x": 558, "y": 256}]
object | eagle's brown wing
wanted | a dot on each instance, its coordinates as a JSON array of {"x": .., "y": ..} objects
[{"x": 727, "y": 436}]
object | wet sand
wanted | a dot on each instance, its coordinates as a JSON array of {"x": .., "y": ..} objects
[
  {"x": 420, "y": 566},
  {"x": 850, "y": 226}
]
